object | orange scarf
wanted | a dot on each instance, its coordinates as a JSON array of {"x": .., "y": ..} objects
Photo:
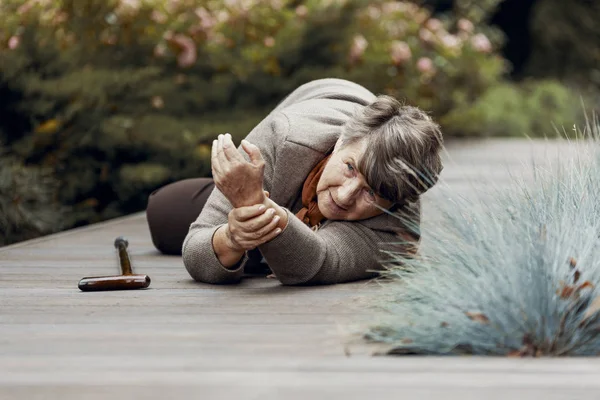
[{"x": 310, "y": 213}]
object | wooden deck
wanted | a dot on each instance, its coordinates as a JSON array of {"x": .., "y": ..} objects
[{"x": 253, "y": 340}]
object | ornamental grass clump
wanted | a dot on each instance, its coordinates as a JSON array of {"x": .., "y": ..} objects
[{"x": 516, "y": 273}]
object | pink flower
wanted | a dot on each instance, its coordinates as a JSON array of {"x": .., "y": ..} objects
[
  {"x": 158, "y": 17},
  {"x": 269, "y": 41},
  {"x": 411, "y": 8},
  {"x": 465, "y": 25},
  {"x": 451, "y": 41},
  {"x": 172, "y": 5},
  {"x": 60, "y": 17},
  {"x": 420, "y": 15},
  {"x": 135, "y": 4},
  {"x": 14, "y": 42},
  {"x": 302, "y": 11},
  {"x": 160, "y": 50},
  {"x": 207, "y": 21},
  {"x": 223, "y": 16},
  {"x": 373, "y": 12},
  {"x": 400, "y": 52},
  {"x": 425, "y": 66},
  {"x": 277, "y": 4},
  {"x": 426, "y": 35},
  {"x": 188, "y": 54},
  {"x": 434, "y": 24},
  {"x": 25, "y": 7},
  {"x": 358, "y": 47},
  {"x": 157, "y": 102},
  {"x": 481, "y": 43},
  {"x": 391, "y": 7},
  {"x": 129, "y": 7}
]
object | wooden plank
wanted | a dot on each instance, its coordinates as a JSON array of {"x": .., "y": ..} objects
[
  {"x": 276, "y": 392},
  {"x": 255, "y": 339}
]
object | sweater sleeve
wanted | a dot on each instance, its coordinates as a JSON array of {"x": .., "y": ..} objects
[
  {"x": 199, "y": 257},
  {"x": 341, "y": 251}
]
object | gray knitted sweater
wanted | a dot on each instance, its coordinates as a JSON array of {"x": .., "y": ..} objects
[{"x": 292, "y": 139}]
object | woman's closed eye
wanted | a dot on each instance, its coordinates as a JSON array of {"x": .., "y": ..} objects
[{"x": 371, "y": 194}]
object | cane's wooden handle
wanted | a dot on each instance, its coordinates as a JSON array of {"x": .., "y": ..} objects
[
  {"x": 118, "y": 282},
  {"x": 126, "y": 281}
]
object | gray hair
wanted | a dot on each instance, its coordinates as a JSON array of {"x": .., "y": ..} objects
[{"x": 402, "y": 161}]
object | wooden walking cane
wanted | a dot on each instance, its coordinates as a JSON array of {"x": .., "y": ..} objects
[{"x": 127, "y": 281}]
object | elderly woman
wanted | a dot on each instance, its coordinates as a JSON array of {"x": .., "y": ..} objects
[{"x": 326, "y": 181}]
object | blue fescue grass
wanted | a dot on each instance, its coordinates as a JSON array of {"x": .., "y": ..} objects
[{"x": 516, "y": 273}]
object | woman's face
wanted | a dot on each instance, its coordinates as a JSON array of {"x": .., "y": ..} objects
[{"x": 342, "y": 192}]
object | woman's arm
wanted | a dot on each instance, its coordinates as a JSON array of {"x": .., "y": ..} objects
[
  {"x": 226, "y": 252},
  {"x": 340, "y": 251},
  {"x": 199, "y": 253},
  {"x": 248, "y": 227}
]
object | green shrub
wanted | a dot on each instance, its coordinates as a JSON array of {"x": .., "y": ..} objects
[
  {"x": 535, "y": 108},
  {"x": 568, "y": 48},
  {"x": 28, "y": 204},
  {"x": 243, "y": 54},
  {"x": 120, "y": 97},
  {"x": 434, "y": 64}
]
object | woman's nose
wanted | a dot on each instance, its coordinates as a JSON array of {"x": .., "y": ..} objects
[{"x": 347, "y": 193}]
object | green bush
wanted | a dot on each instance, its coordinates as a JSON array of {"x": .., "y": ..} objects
[
  {"x": 119, "y": 97},
  {"x": 28, "y": 206},
  {"x": 569, "y": 47},
  {"x": 435, "y": 64},
  {"x": 242, "y": 54},
  {"x": 534, "y": 108}
]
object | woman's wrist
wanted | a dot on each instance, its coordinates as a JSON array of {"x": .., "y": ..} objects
[
  {"x": 260, "y": 198},
  {"x": 280, "y": 211},
  {"x": 227, "y": 252}
]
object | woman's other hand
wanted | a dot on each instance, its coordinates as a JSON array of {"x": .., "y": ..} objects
[
  {"x": 249, "y": 227},
  {"x": 240, "y": 181}
]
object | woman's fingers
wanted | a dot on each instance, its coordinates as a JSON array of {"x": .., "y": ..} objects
[
  {"x": 253, "y": 228},
  {"x": 242, "y": 214},
  {"x": 267, "y": 237},
  {"x": 260, "y": 233},
  {"x": 253, "y": 152},
  {"x": 214, "y": 159},
  {"x": 261, "y": 236},
  {"x": 229, "y": 149},
  {"x": 220, "y": 153},
  {"x": 249, "y": 228}
]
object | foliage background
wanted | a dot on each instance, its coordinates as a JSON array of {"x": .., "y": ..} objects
[{"x": 103, "y": 101}]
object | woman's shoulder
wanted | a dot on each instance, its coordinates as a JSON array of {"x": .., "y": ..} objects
[
  {"x": 316, "y": 123},
  {"x": 329, "y": 88}
]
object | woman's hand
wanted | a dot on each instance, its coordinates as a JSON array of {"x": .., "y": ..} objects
[
  {"x": 240, "y": 181},
  {"x": 249, "y": 227}
]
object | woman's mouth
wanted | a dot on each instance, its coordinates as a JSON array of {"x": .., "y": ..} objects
[{"x": 334, "y": 206}]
